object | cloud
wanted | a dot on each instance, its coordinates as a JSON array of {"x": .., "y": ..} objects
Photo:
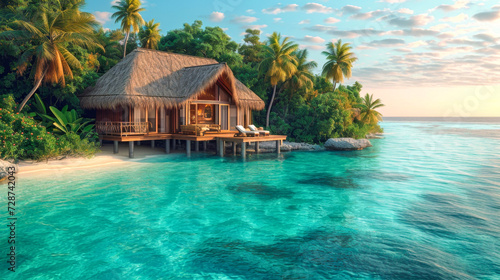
[
  {"x": 486, "y": 37},
  {"x": 466, "y": 42},
  {"x": 244, "y": 19},
  {"x": 345, "y": 33},
  {"x": 277, "y": 19},
  {"x": 257, "y": 26},
  {"x": 415, "y": 32},
  {"x": 460, "y": 4},
  {"x": 350, "y": 9},
  {"x": 305, "y": 21},
  {"x": 331, "y": 20},
  {"x": 487, "y": 16},
  {"x": 312, "y": 39},
  {"x": 413, "y": 21},
  {"x": 312, "y": 47},
  {"x": 455, "y": 19},
  {"x": 316, "y": 8},
  {"x": 250, "y": 11},
  {"x": 115, "y": 2},
  {"x": 372, "y": 14},
  {"x": 386, "y": 43},
  {"x": 278, "y": 9},
  {"x": 102, "y": 17},
  {"x": 405, "y": 11},
  {"x": 216, "y": 16}
]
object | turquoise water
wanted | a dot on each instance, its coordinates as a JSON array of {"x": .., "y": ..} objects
[{"x": 423, "y": 203}]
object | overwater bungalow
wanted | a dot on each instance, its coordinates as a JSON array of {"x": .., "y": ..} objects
[{"x": 154, "y": 95}]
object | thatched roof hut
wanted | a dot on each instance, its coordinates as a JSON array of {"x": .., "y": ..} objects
[{"x": 150, "y": 78}]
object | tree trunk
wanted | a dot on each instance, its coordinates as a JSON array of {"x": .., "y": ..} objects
[
  {"x": 37, "y": 85},
  {"x": 270, "y": 106},
  {"x": 334, "y": 85},
  {"x": 125, "y": 44}
]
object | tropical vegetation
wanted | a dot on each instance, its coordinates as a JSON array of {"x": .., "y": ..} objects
[{"x": 55, "y": 50}]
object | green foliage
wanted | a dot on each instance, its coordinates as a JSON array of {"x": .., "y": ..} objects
[
  {"x": 23, "y": 137},
  {"x": 149, "y": 35}
]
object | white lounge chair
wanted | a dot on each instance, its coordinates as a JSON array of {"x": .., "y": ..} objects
[
  {"x": 245, "y": 132},
  {"x": 261, "y": 132}
]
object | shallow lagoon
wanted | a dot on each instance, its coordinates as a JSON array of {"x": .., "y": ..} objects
[{"x": 422, "y": 203}]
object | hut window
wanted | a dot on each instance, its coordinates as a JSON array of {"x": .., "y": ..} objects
[{"x": 208, "y": 112}]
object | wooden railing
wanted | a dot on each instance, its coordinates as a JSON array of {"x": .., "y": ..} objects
[{"x": 122, "y": 128}]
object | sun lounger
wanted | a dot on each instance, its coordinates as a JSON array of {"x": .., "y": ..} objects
[
  {"x": 260, "y": 131},
  {"x": 243, "y": 132}
]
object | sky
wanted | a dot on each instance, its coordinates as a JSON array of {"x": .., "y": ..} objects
[{"x": 420, "y": 57}]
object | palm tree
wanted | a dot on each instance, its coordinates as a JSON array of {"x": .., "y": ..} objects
[
  {"x": 149, "y": 35},
  {"x": 129, "y": 17},
  {"x": 368, "y": 106},
  {"x": 339, "y": 64},
  {"x": 303, "y": 77},
  {"x": 47, "y": 35},
  {"x": 279, "y": 63}
]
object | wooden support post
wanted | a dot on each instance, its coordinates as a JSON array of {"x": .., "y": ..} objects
[
  {"x": 115, "y": 147},
  {"x": 131, "y": 149},
  {"x": 196, "y": 146},
  {"x": 204, "y": 145},
  {"x": 173, "y": 144},
  {"x": 188, "y": 148},
  {"x": 152, "y": 144},
  {"x": 234, "y": 148},
  {"x": 138, "y": 143},
  {"x": 222, "y": 147},
  {"x": 278, "y": 147},
  {"x": 167, "y": 146},
  {"x": 243, "y": 150},
  {"x": 217, "y": 146},
  {"x": 100, "y": 142},
  {"x": 257, "y": 147}
]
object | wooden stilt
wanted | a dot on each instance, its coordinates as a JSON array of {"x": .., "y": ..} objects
[
  {"x": 234, "y": 148},
  {"x": 257, "y": 147},
  {"x": 167, "y": 146},
  {"x": 204, "y": 145},
  {"x": 243, "y": 150},
  {"x": 221, "y": 148},
  {"x": 278, "y": 147},
  {"x": 115, "y": 147},
  {"x": 131, "y": 149},
  {"x": 152, "y": 144},
  {"x": 196, "y": 146},
  {"x": 100, "y": 142},
  {"x": 173, "y": 144},
  {"x": 188, "y": 148}
]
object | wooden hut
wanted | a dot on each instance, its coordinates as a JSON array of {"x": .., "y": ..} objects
[{"x": 154, "y": 93}]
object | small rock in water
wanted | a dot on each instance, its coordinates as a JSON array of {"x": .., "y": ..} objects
[
  {"x": 346, "y": 144},
  {"x": 4, "y": 172}
]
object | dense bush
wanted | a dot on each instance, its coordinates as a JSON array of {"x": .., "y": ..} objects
[{"x": 22, "y": 137}]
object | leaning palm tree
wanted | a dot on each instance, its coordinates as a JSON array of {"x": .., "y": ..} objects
[
  {"x": 303, "y": 77},
  {"x": 129, "y": 16},
  {"x": 339, "y": 64},
  {"x": 278, "y": 64},
  {"x": 149, "y": 35},
  {"x": 47, "y": 33},
  {"x": 368, "y": 113}
]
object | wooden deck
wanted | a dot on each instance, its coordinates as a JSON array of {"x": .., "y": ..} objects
[{"x": 220, "y": 138}]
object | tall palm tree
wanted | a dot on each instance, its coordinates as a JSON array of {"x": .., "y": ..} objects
[
  {"x": 149, "y": 35},
  {"x": 278, "y": 64},
  {"x": 129, "y": 16},
  {"x": 368, "y": 105},
  {"x": 339, "y": 62},
  {"x": 303, "y": 77},
  {"x": 47, "y": 33}
]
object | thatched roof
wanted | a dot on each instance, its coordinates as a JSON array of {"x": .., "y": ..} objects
[{"x": 150, "y": 78}]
